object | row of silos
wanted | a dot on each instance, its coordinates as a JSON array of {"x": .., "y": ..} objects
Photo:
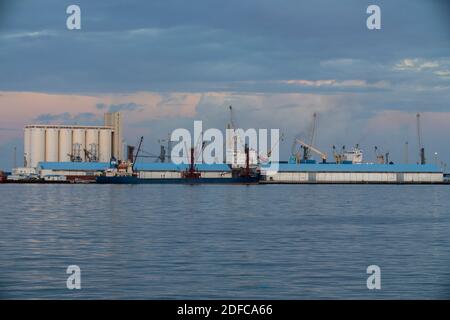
[{"x": 64, "y": 144}]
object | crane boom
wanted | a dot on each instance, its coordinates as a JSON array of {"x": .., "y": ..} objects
[
  {"x": 269, "y": 153},
  {"x": 232, "y": 123},
  {"x": 315, "y": 150},
  {"x": 419, "y": 131},
  {"x": 137, "y": 153},
  {"x": 419, "y": 141},
  {"x": 313, "y": 130}
]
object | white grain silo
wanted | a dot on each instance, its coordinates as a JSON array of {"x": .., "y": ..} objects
[
  {"x": 27, "y": 147},
  {"x": 105, "y": 145},
  {"x": 92, "y": 143},
  {"x": 51, "y": 144},
  {"x": 37, "y": 146},
  {"x": 79, "y": 143},
  {"x": 65, "y": 144}
]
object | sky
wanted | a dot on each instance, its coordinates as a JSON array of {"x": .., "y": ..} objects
[{"x": 166, "y": 63}]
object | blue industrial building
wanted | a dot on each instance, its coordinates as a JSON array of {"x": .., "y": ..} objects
[{"x": 362, "y": 167}]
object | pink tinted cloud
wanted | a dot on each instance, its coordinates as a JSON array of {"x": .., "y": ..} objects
[
  {"x": 391, "y": 120},
  {"x": 21, "y": 108}
]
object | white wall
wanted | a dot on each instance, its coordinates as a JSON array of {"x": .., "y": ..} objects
[{"x": 353, "y": 177}]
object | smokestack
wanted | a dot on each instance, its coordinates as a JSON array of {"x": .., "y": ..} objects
[{"x": 130, "y": 154}]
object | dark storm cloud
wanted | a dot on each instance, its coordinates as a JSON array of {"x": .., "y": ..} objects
[{"x": 211, "y": 45}]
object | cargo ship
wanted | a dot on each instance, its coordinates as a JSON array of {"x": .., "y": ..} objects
[
  {"x": 171, "y": 173},
  {"x": 186, "y": 178}
]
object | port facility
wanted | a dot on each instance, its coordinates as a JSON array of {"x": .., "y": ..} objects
[
  {"x": 371, "y": 173},
  {"x": 77, "y": 153}
]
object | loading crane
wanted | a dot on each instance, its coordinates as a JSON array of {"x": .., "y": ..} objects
[
  {"x": 382, "y": 158},
  {"x": 91, "y": 157},
  {"x": 304, "y": 145},
  {"x": 237, "y": 142},
  {"x": 75, "y": 155},
  {"x": 379, "y": 156},
  {"x": 163, "y": 156},
  {"x": 338, "y": 157},
  {"x": 312, "y": 135},
  {"x": 137, "y": 153},
  {"x": 265, "y": 158},
  {"x": 419, "y": 141}
]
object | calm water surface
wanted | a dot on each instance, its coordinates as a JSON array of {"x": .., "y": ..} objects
[{"x": 209, "y": 242}]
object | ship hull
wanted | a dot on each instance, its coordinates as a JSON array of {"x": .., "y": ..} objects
[{"x": 136, "y": 180}]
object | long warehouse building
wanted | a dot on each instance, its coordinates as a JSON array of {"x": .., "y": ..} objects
[
  {"x": 353, "y": 173},
  {"x": 73, "y": 143}
]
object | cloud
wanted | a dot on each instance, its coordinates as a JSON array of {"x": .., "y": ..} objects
[
  {"x": 442, "y": 73},
  {"x": 416, "y": 64},
  {"x": 67, "y": 118},
  {"x": 333, "y": 83},
  {"x": 175, "y": 46},
  {"x": 27, "y": 35},
  {"x": 23, "y": 108},
  {"x": 131, "y": 106},
  {"x": 338, "y": 63}
]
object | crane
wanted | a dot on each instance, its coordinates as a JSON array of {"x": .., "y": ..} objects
[
  {"x": 235, "y": 147},
  {"x": 313, "y": 149},
  {"x": 137, "y": 153},
  {"x": 199, "y": 147},
  {"x": 75, "y": 155},
  {"x": 310, "y": 139},
  {"x": 338, "y": 157},
  {"x": 379, "y": 156},
  {"x": 265, "y": 158},
  {"x": 419, "y": 140},
  {"x": 90, "y": 156},
  {"x": 164, "y": 154},
  {"x": 231, "y": 125},
  {"x": 312, "y": 135}
]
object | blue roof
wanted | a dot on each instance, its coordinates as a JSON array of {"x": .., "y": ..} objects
[
  {"x": 74, "y": 166},
  {"x": 169, "y": 166},
  {"x": 156, "y": 166},
  {"x": 213, "y": 167},
  {"x": 363, "y": 167}
]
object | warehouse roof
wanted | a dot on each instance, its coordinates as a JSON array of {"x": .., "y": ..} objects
[
  {"x": 74, "y": 166},
  {"x": 169, "y": 166},
  {"x": 362, "y": 167}
]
